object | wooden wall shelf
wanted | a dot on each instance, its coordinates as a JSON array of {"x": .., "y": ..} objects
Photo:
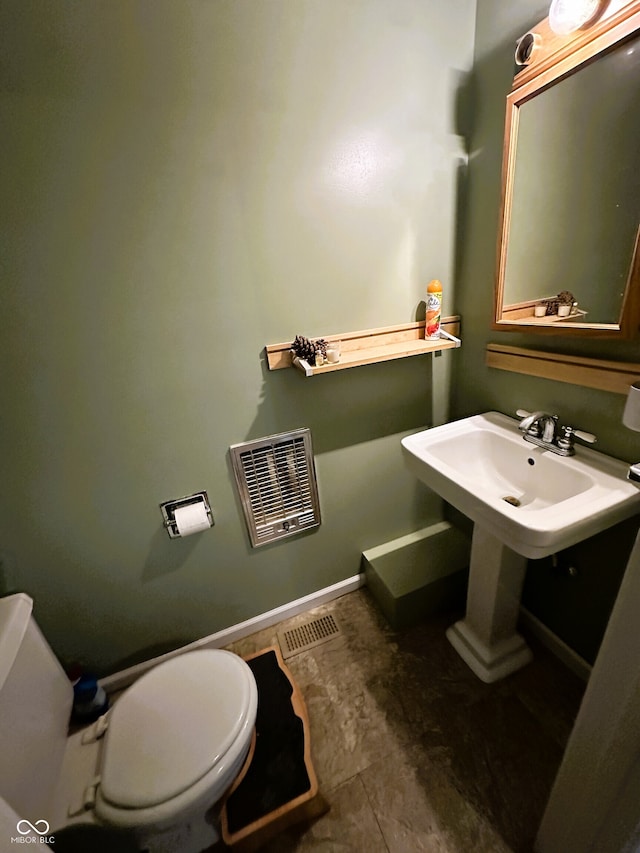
[
  {"x": 614, "y": 376},
  {"x": 372, "y": 346}
]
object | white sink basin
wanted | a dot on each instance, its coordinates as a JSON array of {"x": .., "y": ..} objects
[{"x": 531, "y": 499}]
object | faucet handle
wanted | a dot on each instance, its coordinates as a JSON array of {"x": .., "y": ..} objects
[
  {"x": 568, "y": 434},
  {"x": 589, "y": 437},
  {"x": 522, "y": 413}
]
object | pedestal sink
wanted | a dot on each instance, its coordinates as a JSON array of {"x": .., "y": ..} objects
[{"x": 525, "y": 502}]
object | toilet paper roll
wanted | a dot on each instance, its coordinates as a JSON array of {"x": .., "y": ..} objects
[{"x": 191, "y": 518}]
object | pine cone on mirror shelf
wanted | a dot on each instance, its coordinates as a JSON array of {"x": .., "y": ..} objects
[
  {"x": 321, "y": 346},
  {"x": 304, "y": 348}
]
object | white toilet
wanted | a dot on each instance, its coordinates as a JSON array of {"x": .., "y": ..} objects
[{"x": 156, "y": 764}]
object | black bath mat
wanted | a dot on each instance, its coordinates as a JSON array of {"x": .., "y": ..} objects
[{"x": 280, "y": 777}]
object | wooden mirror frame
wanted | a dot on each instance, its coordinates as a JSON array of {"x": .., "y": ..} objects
[{"x": 548, "y": 58}]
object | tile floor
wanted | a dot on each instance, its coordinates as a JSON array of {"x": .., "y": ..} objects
[{"x": 413, "y": 752}]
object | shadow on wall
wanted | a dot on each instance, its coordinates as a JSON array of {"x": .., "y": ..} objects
[
  {"x": 162, "y": 560},
  {"x": 464, "y": 88},
  {"x": 583, "y": 595},
  {"x": 347, "y": 407}
]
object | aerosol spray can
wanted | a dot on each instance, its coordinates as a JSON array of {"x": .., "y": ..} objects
[{"x": 434, "y": 309}]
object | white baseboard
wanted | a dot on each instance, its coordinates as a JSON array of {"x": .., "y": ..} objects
[
  {"x": 558, "y": 647},
  {"x": 121, "y": 679}
]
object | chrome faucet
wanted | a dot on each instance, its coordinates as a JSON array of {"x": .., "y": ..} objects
[
  {"x": 538, "y": 424},
  {"x": 541, "y": 428}
]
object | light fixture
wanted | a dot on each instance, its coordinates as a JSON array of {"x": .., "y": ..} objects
[{"x": 567, "y": 16}]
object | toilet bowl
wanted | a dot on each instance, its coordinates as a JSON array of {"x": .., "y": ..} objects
[{"x": 155, "y": 765}]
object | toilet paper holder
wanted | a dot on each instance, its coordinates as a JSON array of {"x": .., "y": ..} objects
[{"x": 168, "y": 509}]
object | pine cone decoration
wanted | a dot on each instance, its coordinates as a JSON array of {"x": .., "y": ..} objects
[
  {"x": 321, "y": 345},
  {"x": 304, "y": 348}
]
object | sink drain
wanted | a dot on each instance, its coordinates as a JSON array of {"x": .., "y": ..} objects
[{"x": 510, "y": 499}]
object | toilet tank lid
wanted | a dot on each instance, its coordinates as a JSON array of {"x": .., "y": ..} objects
[
  {"x": 174, "y": 725},
  {"x": 15, "y": 613}
]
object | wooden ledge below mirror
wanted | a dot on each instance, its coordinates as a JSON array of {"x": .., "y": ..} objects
[{"x": 614, "y": 376}]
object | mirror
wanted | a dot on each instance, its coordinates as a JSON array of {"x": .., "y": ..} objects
[{"x": 568, "y": 253}]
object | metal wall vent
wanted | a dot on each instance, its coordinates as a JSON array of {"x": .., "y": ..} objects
[
  {"x": 276, "y": 481},
  {"x": 306, "y": 636}
]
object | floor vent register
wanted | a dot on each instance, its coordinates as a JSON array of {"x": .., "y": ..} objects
[{"x": 311, "y": 633}]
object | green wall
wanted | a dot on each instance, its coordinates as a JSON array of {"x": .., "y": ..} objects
[
  {"x": 575, "y": 608},
  {"x": 184, "y": 183}
]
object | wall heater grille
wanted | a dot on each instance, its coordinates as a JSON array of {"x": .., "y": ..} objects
[{"x": 276, "y": 481}]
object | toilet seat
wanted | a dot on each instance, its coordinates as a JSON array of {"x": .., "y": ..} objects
[{"x": 178, "y": 734}]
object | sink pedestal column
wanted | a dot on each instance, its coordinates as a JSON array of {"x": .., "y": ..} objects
[{"x": 486, "y": 639}]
